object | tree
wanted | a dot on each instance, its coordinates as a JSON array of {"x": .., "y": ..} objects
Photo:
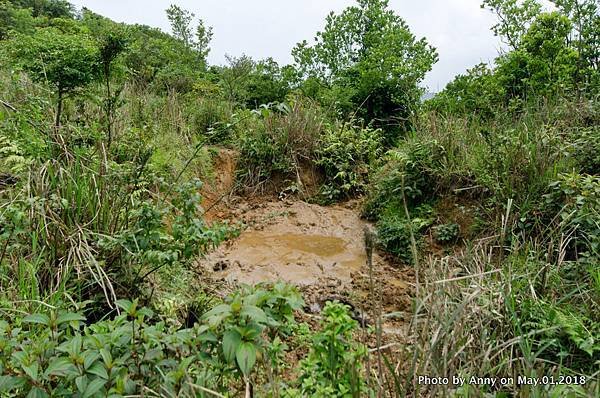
[
  {"x": 112, "y": 43},
  {"x": 585, "y": 15},
  {"x": 515, "y": 17},
  {"x": 476, "y": 93},
  {"x": 368, "y": 54},
  {"x": 12, "y": 18},
  {"x": 544, "y": 64},
  {"x": 65, "y": 61},
  {"x": 234, "y": 77},
  {"x": 47, "y": 8},
  {"x": 181, "y": 20},
  {"x": 181, "y": 25}
]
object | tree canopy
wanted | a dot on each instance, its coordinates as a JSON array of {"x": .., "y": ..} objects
[{"x": 369, "y": 53}]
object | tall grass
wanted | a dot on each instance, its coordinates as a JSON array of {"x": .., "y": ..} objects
[{"x": 521, "y": 298}]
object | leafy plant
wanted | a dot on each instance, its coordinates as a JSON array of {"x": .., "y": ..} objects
[
  {"x": 446, "y": 233},
  {"x": 58, "y": 353},
  {"x": 367, "y": 55},
  {"x": 346, "y": 155},
  {"x": 394, "y": 230},
  {"x": 237, "y": 326},
  {"x": 67, "y": 61},
  {"x": 334, "y": 364}
]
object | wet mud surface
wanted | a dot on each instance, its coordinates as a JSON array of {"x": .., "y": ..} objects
[{"x": 319, "y": 249}]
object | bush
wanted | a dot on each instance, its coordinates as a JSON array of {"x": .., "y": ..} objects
[
  {"x": 346, "y": 156},
  {"x": 410, "y": 170},
  {"x": 334, "y": 364},
  {"x": 587, "y": 150},
  {"x": 446, "y": 233},
  {"x": 394, "y": 230},
  {"x": 57, "y": 354},
  {"x": 279, "y": 140},
  {"x": 574, "y": 204}
]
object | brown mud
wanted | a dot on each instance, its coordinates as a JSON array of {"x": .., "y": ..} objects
[{"x": 320, "y": 249}]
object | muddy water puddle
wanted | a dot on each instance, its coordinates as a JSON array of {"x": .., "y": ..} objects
[
  {"x": 263, "y": 248},
  {"x": 301, "y": 244},
  {"x": 319, "y": 249}
]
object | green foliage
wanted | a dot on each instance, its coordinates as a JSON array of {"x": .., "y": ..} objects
[
  {"x": 66, "y": 61},
  {"x": 514, "y": 145},
  {"x": 278, "y": 140},
  {"x": 253, "y": 83},
  {"x": 476, "y": 93},
  {"x": 47, "y": 8},
  {"x": 446, "y": 233},
  {"x": 334, "y": 363},
  {"x": 237, "y": 327},
  {"x": 14, "y": 19},
  {"x": 394, "y": 230},
  {"x": 409, "y": 170},
  {"x": 514, "y": 18},
  {"x": 575, "y": 199},
  {"x": 11, "y": 156},
  {"x": 369, "y": 57},
  {"x": 57, "y": 353},
  {"x": 160, "y": 236},
  {"x": 181, "y": 20},
  {"x": 567, "y": 330},
  {"x": 585, "y": 16},
  {"x": 346, "y": 155},
  {"x": 587, "y": 150},
  {"x": 161, "y": 62},
  {"x": 544, "y": 63}
]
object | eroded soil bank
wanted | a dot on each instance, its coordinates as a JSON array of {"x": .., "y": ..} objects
[{"x": 320, "y": 249}]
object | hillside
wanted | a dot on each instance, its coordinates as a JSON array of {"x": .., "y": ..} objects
[{"x": 326, "y": 228}]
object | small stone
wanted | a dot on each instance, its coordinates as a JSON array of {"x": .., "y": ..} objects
[{"x": 221, "y": 265}]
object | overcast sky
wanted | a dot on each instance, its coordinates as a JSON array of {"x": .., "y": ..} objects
[{"x": 459, "y": 29}]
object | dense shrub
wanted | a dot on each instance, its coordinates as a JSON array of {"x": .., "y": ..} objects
[
  {"x": 333, "y": 366},
  {"x": 56, "y": 353},
  {"x": 410, "y": 170},
  {"x": 279, "y": 140},
  {"x": 573, "y": 202},
  {"x": 394, "y": 230},
  {"x": 347, "y": 154}
]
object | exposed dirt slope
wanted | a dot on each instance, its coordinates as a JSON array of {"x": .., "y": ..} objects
[{"x": 321, "y": 249}]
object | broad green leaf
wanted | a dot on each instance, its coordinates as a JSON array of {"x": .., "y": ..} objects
[
  {"x": 69, "y": 317},
  {"x": 75, "y": 345},
  {"x": 208, "y": 337},
  {"x": 8, "y": 383},
  {"x": 32, "y": 370},
  {"x": 218, "y": 310},
  {"x": 231, "y": 341},
  {"x": 89, "y": 358},
  {"x": 125, "y": 305},
  {"x": 246, "y": 357},
  {"x": 254, "y": 313},
  {"x": 93, "y": 387},
  {"x": 41, "y": 319},
  {"x": 37, "y": 393},
  {"x": 81, "y": 382},
  {"x": 58, "y": 367},
  {"x": 106, "y": 356},
  {"x": 99, "y": 370}
]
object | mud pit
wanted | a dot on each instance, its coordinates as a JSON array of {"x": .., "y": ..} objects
[
  {"x": 319, "y": 249},
  {"x": 295, "y": 242}
]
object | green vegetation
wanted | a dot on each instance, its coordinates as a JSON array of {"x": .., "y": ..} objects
[{"x": 490, "y": 191}]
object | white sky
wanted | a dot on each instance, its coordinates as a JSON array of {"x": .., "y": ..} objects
[{"x": 459, "y": 29}]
